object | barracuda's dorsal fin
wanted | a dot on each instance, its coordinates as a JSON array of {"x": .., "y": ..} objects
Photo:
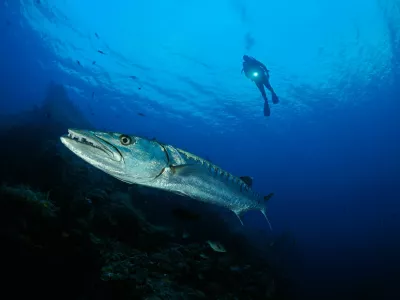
[
  {"x": 266, "y": 198},
  {"x": 247, "y": 180}
]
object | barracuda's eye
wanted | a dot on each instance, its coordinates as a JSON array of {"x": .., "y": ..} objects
[{"x": 125, "y": 140}]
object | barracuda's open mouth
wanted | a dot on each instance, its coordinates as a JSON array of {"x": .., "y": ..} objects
[
  {"x": 85, "y": 143},
  {"x": 83, "y": 139}
]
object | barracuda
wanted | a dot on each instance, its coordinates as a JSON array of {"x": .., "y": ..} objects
[{"x": 133, "y": 159}]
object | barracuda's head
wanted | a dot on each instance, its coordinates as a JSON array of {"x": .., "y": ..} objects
[{"x": 129, "y": 158}]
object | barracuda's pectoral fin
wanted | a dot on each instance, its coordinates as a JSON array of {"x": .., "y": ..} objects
[
  {"x": 186, "y": 170},
  {"x": 247, "y": 180},
  {"x": 239, "y": 214}
]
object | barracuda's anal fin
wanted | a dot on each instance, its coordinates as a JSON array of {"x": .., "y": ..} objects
[
  {"x": 239, "y": 215},
  {"x": 263, "y": 209},
  {"x": 264, "y": 212}
]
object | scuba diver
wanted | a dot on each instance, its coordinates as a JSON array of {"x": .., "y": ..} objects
[{"x": 257, "y": 72}]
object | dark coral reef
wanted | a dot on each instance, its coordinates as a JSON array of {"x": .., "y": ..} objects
[{"x": 69, "y": 231}]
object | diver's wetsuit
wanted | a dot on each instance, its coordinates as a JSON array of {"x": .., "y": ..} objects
[{"x": 258, "y": 72}]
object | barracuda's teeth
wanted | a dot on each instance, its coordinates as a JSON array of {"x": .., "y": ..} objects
[
  {"x": 81, "y": 139},
  {"x": 72, "y": 136}
]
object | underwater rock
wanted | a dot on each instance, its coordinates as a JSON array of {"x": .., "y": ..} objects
[
  {"x": 129, "y": 268},
  {"x": 61, "y": 109},
  {"x": 92, "y": 238},
  {"x": 33, "y": 136},
  {"x": 24, "y": 196}
]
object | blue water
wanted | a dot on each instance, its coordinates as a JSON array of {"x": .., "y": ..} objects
[{"x": 330, "y": 150}]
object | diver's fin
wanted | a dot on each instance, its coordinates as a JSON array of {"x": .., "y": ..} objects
[
  {"x": 186, "y": 170},
  {"x": 275, "y": 98},
  {"x": 239, "y": 214},
  {"x": 247, "y": 180},
  {"x": 264, "y": 212},
  {"x": 266, "y": 198}
]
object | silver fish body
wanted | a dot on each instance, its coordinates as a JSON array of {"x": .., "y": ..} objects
[{"x": 138, "y": 160}]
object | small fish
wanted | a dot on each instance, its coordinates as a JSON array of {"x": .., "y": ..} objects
[
  {"x": 185, "y": 235},
  {"x": 216, "y": 246},
  {"x": 133, "y": 77},
  {"x": 79, "y": 63},
  {"x": 96, "y": 35},
  {"x": 101, "y": 52},
  {"x": 141, "y": 114},
  {"x": 94, "y": 62}
]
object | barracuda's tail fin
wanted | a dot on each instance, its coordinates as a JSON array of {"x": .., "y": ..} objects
[{"x": 263, "y": 209}]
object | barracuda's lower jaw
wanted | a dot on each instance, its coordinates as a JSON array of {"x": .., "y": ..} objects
[{"x": 90, "y": 147}]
